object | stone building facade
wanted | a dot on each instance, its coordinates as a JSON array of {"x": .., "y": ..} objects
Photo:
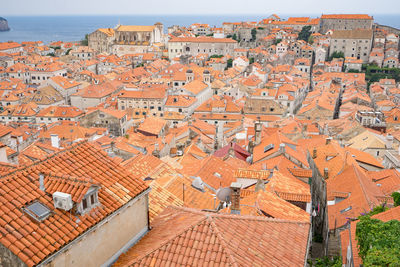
[
  {"x": 126, "y": 39},
  {"x": 353, "y": 43},
  {"x": 345, "y": 22},
  {"x": 193, "y": 46},
  {"x": 101, "y": 40}
]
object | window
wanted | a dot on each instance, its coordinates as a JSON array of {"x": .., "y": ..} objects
[
  {"x": 84, "y": 203},
  {"x": 92, "y": 199}
]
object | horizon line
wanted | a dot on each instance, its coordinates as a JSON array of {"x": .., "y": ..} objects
[{"x": 193, "y": 14}]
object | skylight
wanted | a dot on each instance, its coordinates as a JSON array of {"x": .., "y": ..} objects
[
  {"x": 38, "y": 211},
  {"x": 217, "y": 175},
  {"x": 346, "y": 209},
  {"x": 269, "y": 147}
]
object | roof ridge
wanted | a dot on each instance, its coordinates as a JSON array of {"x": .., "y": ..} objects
[
  {"x": 65, "y": 150},
  {"x": 256, "y": 218},
  {"x": 222, "y": 240}
]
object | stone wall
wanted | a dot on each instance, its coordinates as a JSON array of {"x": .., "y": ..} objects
[{"x": 8, "y": 259}]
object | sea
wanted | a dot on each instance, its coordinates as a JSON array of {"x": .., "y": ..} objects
[{"x": 74, "y": 28}]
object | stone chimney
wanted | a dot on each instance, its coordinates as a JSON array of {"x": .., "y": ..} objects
[
  {"x": 41, "y": 182},
  {"x": 282, "y": 148},
  {"x": 55, "y": 141},
  {"x": 3, "y": 153},
  {"x": 328, "y": 140},
  {"x": 260, "y": 185},
  {"x": 231, "y": 151},
  {"x": 235, "y": 198},
  {"x": 326, "y": 173},
  {"x": 314, "y": 153},
  {"x": 257, "y": 130},
  {"x": 389, "y": 141},
  {"x": 250, "y": 147},
  {"x": 156, "y": 151}
]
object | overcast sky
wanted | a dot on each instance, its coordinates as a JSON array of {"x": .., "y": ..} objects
[{"x": 111, "y": 7}]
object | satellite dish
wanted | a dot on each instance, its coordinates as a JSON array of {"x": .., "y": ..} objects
[
  {"x": 224, "y": 194},
  {"x": 198, "y": 184}
]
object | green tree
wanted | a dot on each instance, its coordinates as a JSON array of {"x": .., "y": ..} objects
[
  {"x": 216, "y": 56},
  {"x": 234, "y": 37},
  {"x": 353, "y": 71},
  {"x": 336, "y": 54},
  {"x": 396, "y": 198},
  {"x": 277, "y": 41},
  {"x": 305, "y": 33},
  {"x": 85, "y": 41},
  {"x": 229, "y": 63},
  {"x": 378, "y": 242},
  {"x": 327, "y": 262},
  {"x": 251, "y": 60},
  {"x": 253, "y": 35},
  {"x": 69, "y": 50}
]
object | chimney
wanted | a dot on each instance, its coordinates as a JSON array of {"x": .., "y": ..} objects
[
  {"x": 389, "y": 141},
  {"x": 250, "y": 147},
  {"x": 260, "y": 185},
  {"x": 235, "y": 198},
  {"x": 20, "y": 139},
  {"x": 41, "y": 182},
  {"x": 282, "y": 148},
  {"x": 257, "y": 129},
  {"x": 326, "y": 173},
  {"x": 231, "y": 151},
  {"x": 314, "y": 153},
  {"x": 55, "y": 141},
  {"x": 3, "y": 153},
  {"x": 328, "y": 140},
  {"x": 156, "y": 152}
]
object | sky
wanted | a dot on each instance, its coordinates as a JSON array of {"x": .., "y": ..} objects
[{"x": 203, "y": 7}]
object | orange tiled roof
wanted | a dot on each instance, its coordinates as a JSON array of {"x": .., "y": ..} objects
[
  {"x": 346, "y": 16},
  {"x": 186, "y": 237},
  {"x": 364, "y": 195},
  {"x": 201, "y": 40},
  {"x": 289, "y": 188},
  {"x": 271, "y": 204},
  {"x": 33, "y": 241}
]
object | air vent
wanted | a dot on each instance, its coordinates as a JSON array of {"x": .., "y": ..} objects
[{"x": 62, "y": 201}]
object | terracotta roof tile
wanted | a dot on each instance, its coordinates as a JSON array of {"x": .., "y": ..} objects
[
  {"x": 80, "y": 160},
  {"x": 187, "y": 237}
]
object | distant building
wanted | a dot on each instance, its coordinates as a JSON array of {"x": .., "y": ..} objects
[
  {"x": 345, "y": 22},
  {"x": 193, "y": 46},
  {"x": 353, "y": 43},
  {"x": 136, "y": 39},
  {"x": 125, "y": 39},
  {"x": 101, "y": 40}
]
